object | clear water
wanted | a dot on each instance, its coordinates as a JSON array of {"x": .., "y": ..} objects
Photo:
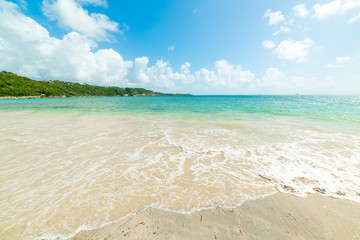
[
  {"x": 77, "y": 163},
  {"x": 339, "y": 109}
]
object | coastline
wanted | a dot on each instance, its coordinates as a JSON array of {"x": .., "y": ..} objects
[
  {"x": 278, "y": 216},
  {"x": 31, "y": 97},
  {"x": 22, "y": 97}
]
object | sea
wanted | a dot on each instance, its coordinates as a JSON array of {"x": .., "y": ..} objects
[{"x": 70, "y": 164}]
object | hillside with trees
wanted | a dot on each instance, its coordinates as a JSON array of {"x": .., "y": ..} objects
[{"x": 12, "y": 85}]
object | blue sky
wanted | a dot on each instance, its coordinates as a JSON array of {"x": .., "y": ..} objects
[{"x": 198, "y": 47}]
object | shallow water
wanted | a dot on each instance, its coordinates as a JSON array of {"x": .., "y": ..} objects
[{"x": 81, "y": 162}]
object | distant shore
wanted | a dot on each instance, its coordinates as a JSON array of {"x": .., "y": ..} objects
[
  {"x": 14, "y": 86},
  {"x": 21, "y": 97},
  {"x": 279, "y": 216},
  {"x": 30, "y": 97}
]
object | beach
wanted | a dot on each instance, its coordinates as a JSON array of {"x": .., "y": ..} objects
[
  {"x": 210, "y": 163},
  {"x": 179, "y": 120},
  {"x": 279, "y": 216}
]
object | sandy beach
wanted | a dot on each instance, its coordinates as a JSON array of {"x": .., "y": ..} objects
[
  {"x": 178, "y": 120},
  {"x": 279, "y": 216},
  {"x": 76, "y": 164}
]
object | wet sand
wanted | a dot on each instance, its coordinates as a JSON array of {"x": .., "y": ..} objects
[
  {"x": 279, "y": 216},
  {"x": 65, "y": 170}
]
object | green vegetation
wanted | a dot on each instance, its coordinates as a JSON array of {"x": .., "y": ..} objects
[{"x": 12, "y": 85}]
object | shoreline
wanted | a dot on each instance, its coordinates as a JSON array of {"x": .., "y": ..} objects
[
  {"x": 33, "y": 97},
  {"x": 277, "y": 216}
]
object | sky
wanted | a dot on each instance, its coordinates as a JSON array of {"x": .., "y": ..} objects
[{"x": 187, "y": 46}]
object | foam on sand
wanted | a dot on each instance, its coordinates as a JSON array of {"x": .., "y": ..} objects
[{"x": 62, "y": 171}]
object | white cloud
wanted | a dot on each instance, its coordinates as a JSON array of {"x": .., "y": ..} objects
[
  {"x": 27, "y": 49},
  {"x": 330, "y": 65},
  {"x": 185, "y": 68},
  {"x": 139, "y": 74},
  {"x": 274, "y": 17},
  {"x": 334, "y": 7},
  {"x": 225, "y": 75},
  {"x": 338, "y": 60},
  {"x": 289, "y": 49},
  {"x": 268, "y": 44},
  {"x": 8, "y": 6},
  {"x": 71, "y": 15},
  {"x": 355, "y": 18},
  {"x": 300, "y": 11},
  {"x": 101, "y": 3},
  {"x": 159, "y": 76},
  {"x": 278, "y": 82},
  {"x": 22, "y": 3},
  {"x": 282, "y": 29},
  {"x": 343, "y": 59},
  {"x": 171, "y": 48},
  {"x": 272, "y": 77}
]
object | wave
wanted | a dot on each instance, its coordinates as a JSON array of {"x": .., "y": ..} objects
[{"x": 90, "y": 170}]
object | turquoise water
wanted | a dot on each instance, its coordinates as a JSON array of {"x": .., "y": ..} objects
[
  {"x": 79, "y": 163},
  {"x": 341, "y": 112}
]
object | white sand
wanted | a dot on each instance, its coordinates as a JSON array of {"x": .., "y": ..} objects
[{"x": 280, "y": 216}]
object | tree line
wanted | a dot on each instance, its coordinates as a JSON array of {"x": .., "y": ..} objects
[{"x": 12, "y": 85}]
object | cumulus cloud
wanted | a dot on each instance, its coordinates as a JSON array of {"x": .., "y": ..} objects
[
  {"x": 272, "y": 77},
  {"x": 171, "y": 48},
  {"x": 159, "y": 76},
  {"x": 300, "y": 11},
  {"x": 343, "y": 59},
  {"x": 139, "y": 74},
  {"x": 225, "y": 75},
  {"x": 334, "y": 7},
  {"x": 276, "y": 81},
  {"x": 274, "y": 17},
  {"x": 289, "y": 49},
  {"x": 27, "y": 49},
  {"x": 268, "y": 44},
  {"x": 71, "y": 15}
]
